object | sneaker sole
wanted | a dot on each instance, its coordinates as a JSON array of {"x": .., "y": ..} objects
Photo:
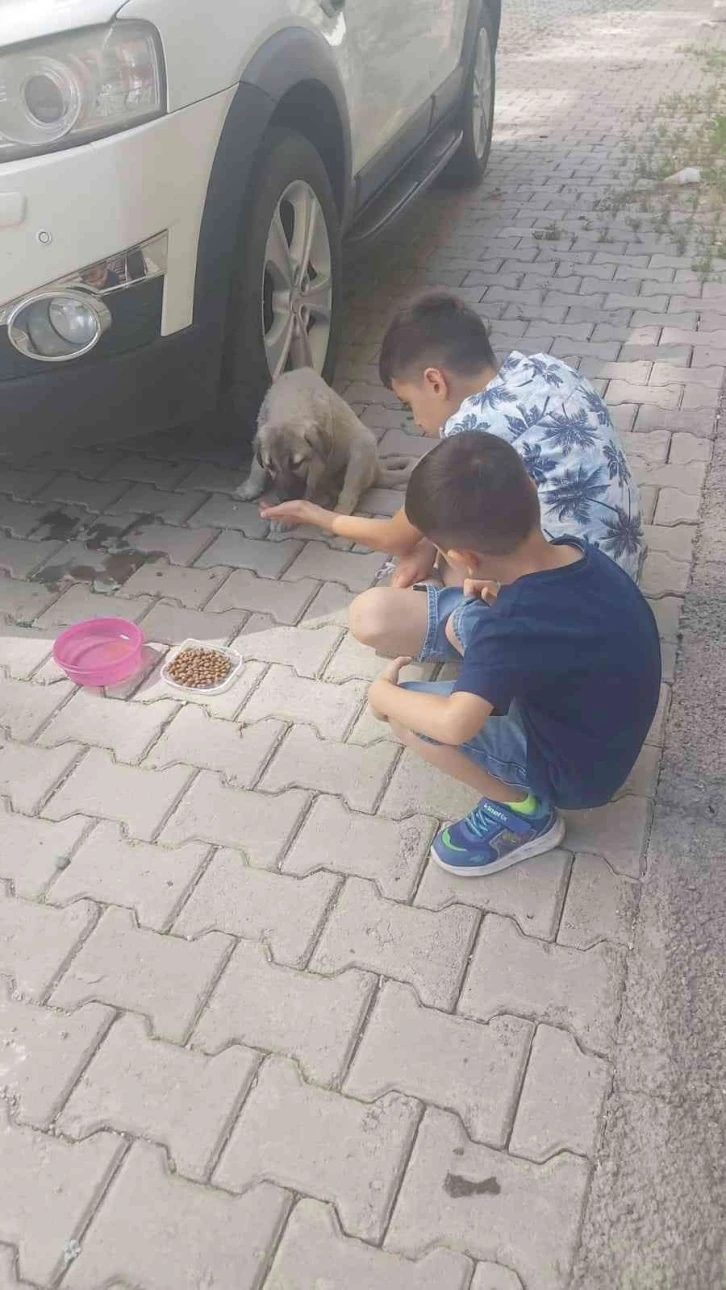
[{"x": 546, "y": 842}]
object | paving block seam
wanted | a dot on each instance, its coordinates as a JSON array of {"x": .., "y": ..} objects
[
  {"x": 67, "y": 772},
  {"x": 94, "y": 914},
  {"x": 215, "y": 977}
]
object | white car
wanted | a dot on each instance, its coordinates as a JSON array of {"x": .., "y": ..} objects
[{"x": 177, "y": 179}]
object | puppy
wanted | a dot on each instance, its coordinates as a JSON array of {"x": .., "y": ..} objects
[{"x": 310, "y": 444}]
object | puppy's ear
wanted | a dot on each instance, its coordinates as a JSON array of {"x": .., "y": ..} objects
[{"x": 319, "y": 431}]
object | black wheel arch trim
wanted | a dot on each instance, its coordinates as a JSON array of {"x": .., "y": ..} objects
[{"x": 288, "y": 59}]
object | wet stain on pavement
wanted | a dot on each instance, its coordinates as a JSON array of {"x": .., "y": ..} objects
[{"x": 456, "y": 1186}]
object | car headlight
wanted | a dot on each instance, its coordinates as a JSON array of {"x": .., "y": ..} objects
[{"x": 65, "y": 90}]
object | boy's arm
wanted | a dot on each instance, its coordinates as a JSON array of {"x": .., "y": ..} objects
[
  {"x": 449, "y": 719},
  {"x": 393, "y": 536}
]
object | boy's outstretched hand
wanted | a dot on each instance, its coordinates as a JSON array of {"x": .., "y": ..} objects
[{"x": 299, "y": 512}]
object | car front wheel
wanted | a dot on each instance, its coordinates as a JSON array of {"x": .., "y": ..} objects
[{"x": 285, "y": 301}]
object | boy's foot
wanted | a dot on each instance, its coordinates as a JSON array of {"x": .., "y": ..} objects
[{"x": 493, "y": 837}]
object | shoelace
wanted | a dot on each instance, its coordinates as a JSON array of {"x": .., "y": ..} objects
[{"x": 480, "y": 822}]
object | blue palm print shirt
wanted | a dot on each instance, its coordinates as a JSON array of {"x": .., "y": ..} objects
[{"x": 563, "y": 433}]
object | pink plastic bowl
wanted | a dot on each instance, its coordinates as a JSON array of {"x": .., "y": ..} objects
[{"x": 101, "y": 651}]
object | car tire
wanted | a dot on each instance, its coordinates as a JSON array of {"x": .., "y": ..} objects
[
  {"x": 468, "y": 164},
  {"x": 284, "y": 308}
]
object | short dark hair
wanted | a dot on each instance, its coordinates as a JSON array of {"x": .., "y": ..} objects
[
  {"x": 473, "y": 493},
  {"x": 436, "y": 329}
]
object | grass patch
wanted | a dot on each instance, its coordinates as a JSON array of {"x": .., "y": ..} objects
[{"x": 684, "y": 131}]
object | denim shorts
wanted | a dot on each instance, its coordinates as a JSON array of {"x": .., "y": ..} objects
[{"x": 501, "y": 745}]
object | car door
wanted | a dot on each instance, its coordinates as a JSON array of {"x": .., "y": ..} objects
[{"x": 397, "y": 52}]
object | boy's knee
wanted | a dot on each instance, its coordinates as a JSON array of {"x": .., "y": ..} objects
[{"x": 367, "y": 617}]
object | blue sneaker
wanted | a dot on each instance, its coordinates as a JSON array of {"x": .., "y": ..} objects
[{"x": 493, "y": 837}]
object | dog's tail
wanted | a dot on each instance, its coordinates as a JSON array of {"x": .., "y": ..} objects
[{"x": 394, "y": 472}]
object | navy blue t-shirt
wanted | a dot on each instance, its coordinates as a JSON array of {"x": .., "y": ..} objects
[{"x": 578, "y": 650}]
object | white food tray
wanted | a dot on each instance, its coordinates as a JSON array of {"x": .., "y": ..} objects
[{"x": 235, "y": 659}]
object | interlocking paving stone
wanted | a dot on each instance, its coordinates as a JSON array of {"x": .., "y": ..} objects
[
  {"x": 283, "y": 911},
  {"x": 283, "y": 601},
  {"x": 329, "y": 708},
  {"x": 675, "y": 506},
  {"x": 25, "y": 708},
  {"x": 185, "y": 1236},
  {"x": 676, "y": 541},
  {"x": 238, "y": 552},
  {"x": 667, "y": 611},
  {"x": 23, "y": 601},
  {"x": 191, "y": 587},
  {"x": 152, "y": 880},
  {"x": 47, "y": 1188},
  {"x": 79, "y": 602},
  {"x": 600, "y": 905},
  {"x": 579, "y": 989},
  {"x": 663, "y": 576},
  {"x": 27, "y": 773},
  {"x": 139, "y": 799},
  {"x": 20, "y": 557},
  {"x": 23, "y": 650},
  {"x": 303, "y": 649},
  {"x": 220, "y": 512},
  {"x": 315, "y": 1019},
  {"x": 477, "y": 1070},
  {"x": 530, "y": 893},
  {"x": 142, "y": 1086},
  {"x": 617, "y": 831},
  {"x": 314, "y": 1254},
  {"x": 121, "y": 727},
  {"x": 352, "y": 659},
  {"x": 32, "y": 850},
  {"x": 562, "y": 1097},
  {"x": 489, "y": 1204},
  {"x": 417, "y": 787},
  {"x": 425, "y": 948},
  {"x": 305, "y": 1138},
  {"x": 258, "y": 824},
  {"x": 305, "y": 760},
  {"x": 389, "y": 852},
  {"x": 179, "y": 545},
  {"x": 356, "y": 572},
  {"x": 36, "y": 940},
  {"x": 686, "y": 448},
  {"x": 94, "y": 495},
  {"x": 42, "y": 1053},
  {"x": 686, "y": 478},
  {"x": 163, "y": 977},
  {"x": 172, "y": 624},
  {"x": 236, "y": 752}
]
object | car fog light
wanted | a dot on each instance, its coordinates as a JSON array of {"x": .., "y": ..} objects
[{"x": 56, "y": 328}]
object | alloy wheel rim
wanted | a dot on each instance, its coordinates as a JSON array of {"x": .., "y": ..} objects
[
  {"x": 297, "y": 283},
  {"x": 481, "y": 110}
]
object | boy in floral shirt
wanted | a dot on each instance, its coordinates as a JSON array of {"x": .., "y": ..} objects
[{"x": 437, "y": 358}]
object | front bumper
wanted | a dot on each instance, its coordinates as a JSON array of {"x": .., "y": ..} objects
[{"x": 169, "y": 381}]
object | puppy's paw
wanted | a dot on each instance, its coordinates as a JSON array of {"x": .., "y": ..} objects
[
  {"x": 248, "y": 492},
  {"x": 279, "y": 526}
]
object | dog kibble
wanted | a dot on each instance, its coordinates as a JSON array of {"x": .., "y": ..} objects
[{"x": 199, "y": 669}]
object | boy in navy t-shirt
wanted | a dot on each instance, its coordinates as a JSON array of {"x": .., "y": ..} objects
[{"x": 560, "y": 674}]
